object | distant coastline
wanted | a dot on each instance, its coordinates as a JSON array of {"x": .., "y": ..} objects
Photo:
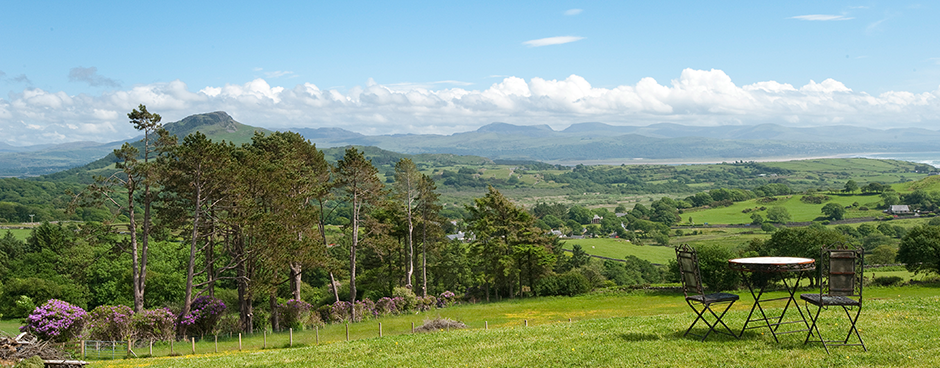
[{"x": 708, "y": 161}]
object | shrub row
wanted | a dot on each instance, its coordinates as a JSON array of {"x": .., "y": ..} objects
[
  {"x": 403, "y": 300},
  {"x": 60, "y": 321}
]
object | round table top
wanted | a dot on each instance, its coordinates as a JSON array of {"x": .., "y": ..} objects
[
  {"x": 772, "y": 264},
  {"x": 771, "y": 260}
]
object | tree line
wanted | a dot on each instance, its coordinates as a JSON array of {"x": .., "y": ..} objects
[{"x": 249, "y": 223}]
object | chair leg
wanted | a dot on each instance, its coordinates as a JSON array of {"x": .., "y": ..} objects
[
  {"x": 853, "y": 321},
  {"x": 697, "y": 318},
  {"x": 720, "y": 319},
  {"x": 815, "y": 327},
  {"x": 700, "y": 315}
]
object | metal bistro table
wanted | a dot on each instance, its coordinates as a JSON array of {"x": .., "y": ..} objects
[{"x": 761, "y": 269}]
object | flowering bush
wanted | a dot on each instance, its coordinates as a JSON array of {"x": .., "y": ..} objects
[
  {"x": 446, "y": 299},
  {"x": 364, "y": 309},
  {"x": 386, "y": 306},
  {"x": 340, "y": 311},
  {"x": 110, "y": 323},
  {"x": 425, "y": 303},
  {"x": 204, "y": 315},
  {"x": 409, "y": 299},
  {"x": 297, "y": 314},
  {"x": 56, "y": 321},
  {"x": 154, "y": 324}
]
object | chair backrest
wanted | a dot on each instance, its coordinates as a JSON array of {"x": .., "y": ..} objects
[
  {"x": 842, "y": 270},
  {"x": 689, "y": 273}
]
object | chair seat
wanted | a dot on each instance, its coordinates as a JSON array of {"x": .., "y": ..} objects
[
  {"x": 713, "y": 298},
  {"x": 818, "y": 299}
]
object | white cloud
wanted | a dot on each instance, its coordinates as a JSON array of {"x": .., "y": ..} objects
[
  {"x": 552, "y": 41},
  {"x": 695, "y": 97},
  {"x": 573, "y": 11},
  {"x": 822, "y": 17}
]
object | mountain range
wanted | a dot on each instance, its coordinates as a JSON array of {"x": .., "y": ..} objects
[{"x": 579, "y": 143}]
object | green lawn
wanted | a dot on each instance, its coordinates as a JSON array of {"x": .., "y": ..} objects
[{"x": 608, "y": 329}]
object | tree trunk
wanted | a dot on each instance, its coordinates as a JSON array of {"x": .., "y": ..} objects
[
  {"x": 135, "y": 254},
  {"x": 275, "y": 318},
  {"x": 424, "y": 258},
  {"x": 296, "y": 271},
  {"x": 191, "y": 267}
]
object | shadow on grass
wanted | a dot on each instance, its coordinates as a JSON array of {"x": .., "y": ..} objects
[{"x": 636, "y": 336}]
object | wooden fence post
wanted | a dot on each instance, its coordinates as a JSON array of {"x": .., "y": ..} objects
[
  {"x": 527, "y": 323},
  {"x": 194, "y": 344},
  {"x": 380, "y": 329},
  {"x": 291, "y": 336},
  {"x": 486, "y": 325},
  {"x": 412, "y": 327},
  {"x": 264, "y": 342},
  {"x": 318, "y": 334},
  {"x": 216, "y": 343},
  {"x": 239, "y": 341},
  {"x": 83, "y": 350},
  {"x": 171, "y": 345},
  {"x": 347, "y": 331},
  {"x": 151, "y": 348}
]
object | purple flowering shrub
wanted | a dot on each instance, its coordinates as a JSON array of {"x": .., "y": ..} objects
[
  {"x": 409, "y": 299},
  {"x": 109, "y": 323},
  {"x": 297, "y": 314},
  {"x": 340, "y": 311},
  {"x": 364, "y": 309},
  {"x": 203, "y": 316},
  {"x": 154, "y": 324},
  {"x": 387, "y": 306},
  {"x": 56, "y": 321},
  {"x": 425, "y": 303},
  {"x": 446, "y": 299}
]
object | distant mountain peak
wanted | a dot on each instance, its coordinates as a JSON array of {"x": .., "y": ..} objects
[
  {"x": 527, "y": 130},
  {"x": 218, "y": 119}
]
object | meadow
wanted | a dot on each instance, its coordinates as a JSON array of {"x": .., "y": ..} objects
[{"x": 606, "y": 329}]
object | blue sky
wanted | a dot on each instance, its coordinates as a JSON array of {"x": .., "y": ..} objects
[{"x": 72, "y": 70}]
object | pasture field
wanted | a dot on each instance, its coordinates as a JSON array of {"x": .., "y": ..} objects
[
  {"x": 799, "y": 211},
  {"x": 619, "y": 249},
  {"x": 607, "y": 329},
  {"x": 20, "y": 234}
]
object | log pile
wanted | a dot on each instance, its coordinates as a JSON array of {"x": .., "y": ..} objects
[{"x": 13, "y": 350}]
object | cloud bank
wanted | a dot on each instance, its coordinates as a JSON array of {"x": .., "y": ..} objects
[{"x": 696, "y": 97}]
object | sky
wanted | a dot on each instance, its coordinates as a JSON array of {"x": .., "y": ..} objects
[{"x": 71, "y": 71}]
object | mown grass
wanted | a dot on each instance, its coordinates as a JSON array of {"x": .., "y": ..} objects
[{"x": 613, "y": 329}]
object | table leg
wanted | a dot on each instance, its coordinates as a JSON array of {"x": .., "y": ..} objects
[{"x": 757, "y": 306}]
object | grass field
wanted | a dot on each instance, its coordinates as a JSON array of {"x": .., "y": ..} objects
[
  {"x": 619, "y": 248},
  {"x": 608, "y": 329},
  {"x": 20, "y": 234},
  {"x": 799, "y": 211}
]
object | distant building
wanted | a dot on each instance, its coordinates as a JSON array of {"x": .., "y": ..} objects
[
  {"x": 596, "y": 220},
  {"x": 458, "y": 236},
  {"x": 899, "y": 209}
]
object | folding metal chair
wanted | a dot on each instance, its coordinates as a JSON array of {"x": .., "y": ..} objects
[
  {"x": 691, "y": 279},
  {"x": 841, "y": 268}
]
